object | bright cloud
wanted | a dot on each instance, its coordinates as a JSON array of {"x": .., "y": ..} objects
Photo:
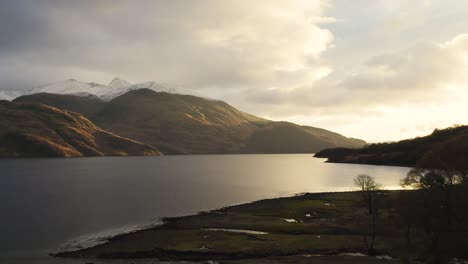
[{"x": 197, "y": 44}]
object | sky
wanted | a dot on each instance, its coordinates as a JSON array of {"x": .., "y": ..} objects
[{"x": 377, "y": 70}]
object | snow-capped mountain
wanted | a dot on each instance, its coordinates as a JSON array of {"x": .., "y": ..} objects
[
  {"x": 9, "y": 94},
  {"x": 115, "y": 88},
  {"x": 107, "y": 92},
  {"x": 118, "y": 83},
  {"x": 70, "y": 86}
]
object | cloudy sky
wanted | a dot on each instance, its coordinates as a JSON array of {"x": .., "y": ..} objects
[{"x": 374, "y": 69}]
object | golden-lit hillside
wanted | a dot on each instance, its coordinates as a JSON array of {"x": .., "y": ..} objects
[{"x": 32, "y": 130}]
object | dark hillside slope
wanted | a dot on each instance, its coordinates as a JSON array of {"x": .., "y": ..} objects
[
  {"x": 84, "y": 105},
  {"x": 178, "y": 124},
  {"x": 452, "y": 141},
  {"x": 283, "y": 137}
]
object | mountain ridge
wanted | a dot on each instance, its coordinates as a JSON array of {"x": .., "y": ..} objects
[
  {"x": 187, "y": 124},
  {"x": 71, "y": 86}
]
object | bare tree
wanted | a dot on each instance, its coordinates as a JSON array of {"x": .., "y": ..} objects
[{"x": 368, "y": 187}]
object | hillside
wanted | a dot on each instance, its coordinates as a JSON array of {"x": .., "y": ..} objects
[
  {"x": 447, "y": 145},
  {"x": 177, "y": 124},
  {"x": 185, "y": 124},
  {"x": 84, "y": 105},
  {"x": 31, "y": 130},
  {"x": 285, "y": 137}
]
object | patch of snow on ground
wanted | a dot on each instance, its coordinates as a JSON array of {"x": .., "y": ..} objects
[
  {"x": 385, "y": 257},
  {"x": 353, "y": 254},
  {"x": 250, "y": 232}
]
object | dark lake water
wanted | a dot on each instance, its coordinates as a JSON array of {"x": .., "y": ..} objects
[{"x": 47, "y": 203}]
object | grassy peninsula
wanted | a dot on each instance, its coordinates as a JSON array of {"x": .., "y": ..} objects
[{"x": 307, "y": 228}]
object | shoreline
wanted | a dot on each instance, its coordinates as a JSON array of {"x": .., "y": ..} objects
[
  {"x": 323, "y": 225},
  {"x": 152, "y": 156}
]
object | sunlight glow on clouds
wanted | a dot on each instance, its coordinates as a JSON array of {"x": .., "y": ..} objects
[
  {"x": 197, "y": 44},
  {"x": 408, "y": 92},
  {"x": 377, "y": 70}
]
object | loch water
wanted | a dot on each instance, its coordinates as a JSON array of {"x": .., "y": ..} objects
[{"x": 51, "y": 204}]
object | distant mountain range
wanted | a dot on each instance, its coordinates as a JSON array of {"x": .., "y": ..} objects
[
  {"x": 181, "y": 124},
  {"x": 107, "y": 92},
  {"x": 29, "y": 130},
  {"x": 445, "y": 148}
]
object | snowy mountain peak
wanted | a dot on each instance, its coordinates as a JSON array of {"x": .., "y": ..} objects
[
  {"x": 108, "y": 92},
  {"x": 70, "y": 86},
  {"x": 9, "y": 94},
  {"x": 117, "y": 82}
]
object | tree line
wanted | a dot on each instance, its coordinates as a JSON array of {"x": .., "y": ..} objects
[{"x": 436, "y": 208}]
